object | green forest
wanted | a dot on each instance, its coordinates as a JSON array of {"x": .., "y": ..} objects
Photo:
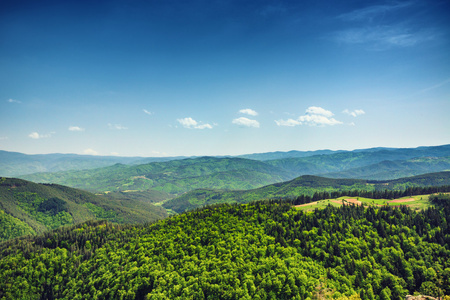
[
  {"x": 264, "y": 226},
  {"x": 260, "y": 250}
]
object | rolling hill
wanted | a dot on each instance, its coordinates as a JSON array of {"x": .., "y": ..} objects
[
  {"x": 177, "y": 176},
  {"x": 30, "y": 208},
  {"x": 303, "y": 185}
]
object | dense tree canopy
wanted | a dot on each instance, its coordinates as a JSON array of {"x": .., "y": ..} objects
[{"x": 262, "y": 250}]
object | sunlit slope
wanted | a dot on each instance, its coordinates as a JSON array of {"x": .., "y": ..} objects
[
  {"x": 263, "y": 250},
  {"x": 303, "y": 185},
  {"x": 29, "y": 208}
]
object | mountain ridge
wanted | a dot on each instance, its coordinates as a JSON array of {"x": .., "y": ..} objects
[{"x": 302, "y": 185}]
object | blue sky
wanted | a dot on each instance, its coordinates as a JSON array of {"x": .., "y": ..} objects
[{"x": 167, "y": 78}]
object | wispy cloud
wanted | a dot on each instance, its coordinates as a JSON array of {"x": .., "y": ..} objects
[
  {"x": 242, "y": 121},
  {"x": 90, "y": 151},
  {"x": 116, "y": 126},
  {"x": 372, "y": 12},
  {"x": 36, "y": 136},
  {"x": 436, "y": 86},
  {"x": 248, "y": 111},
  {"x": 384, "y": 37},
  {"x": 377, "y": 27},
  {"x": 354, "y": 113},
  {"x": 76, "y": 128},
  {"x": 13, "y": 101},
  {"x": 192, "y": 124},
  {"x": 3, "y": 138},
  {"x": 147, "y": 112},
  {"x": 315, "y": 116}
]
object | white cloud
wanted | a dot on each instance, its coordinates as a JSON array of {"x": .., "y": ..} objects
[
  {"x": 248, "y": 111},
  {"x": 90, "y": 151},
  {"x": 314, "y": 110},
  {"x": 3, "y": 138},
  {"x": 114, "y": 153},
  {"x": 76, "y": 128},
  {"x": 318, "y": 120},
  {"x": 147, "y": 112},
  {"x": 246, "y": 122},
  {"x": 355, "y": 113},
  {"x": 288, "y": 122},
  {"x": 315, "y": 116},
  {"x": 14, "y": 101},
  {"x": 192, "y": 124},
  {"x": 116, "y": 126},
  {"x": 36, "y": 136}
]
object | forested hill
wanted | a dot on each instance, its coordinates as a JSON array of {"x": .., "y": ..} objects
[
  {"x": 355, "y": 160},
  {"x": 303, "y": 185},
  {"x": 30, "y": 208},
  {"x": 174, "y": 177},
  {"x": 263, "y": 250}
]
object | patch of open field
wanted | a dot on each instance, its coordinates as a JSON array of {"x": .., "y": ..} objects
[{"x": 415, "y": 202}]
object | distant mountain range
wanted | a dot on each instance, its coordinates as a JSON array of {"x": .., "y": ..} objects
[
  {"x": 178, "y": 176},
  {"x": 344, "y": 161},
  {"x": 13, "y": 164}
]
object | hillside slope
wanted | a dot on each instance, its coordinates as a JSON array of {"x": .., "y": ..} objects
[
  {"x": 174, "y": 177},
  {"x": 303, "y": 185},
  {"x": 264, "y": 250},
  {"x": 30, "y": 208}
]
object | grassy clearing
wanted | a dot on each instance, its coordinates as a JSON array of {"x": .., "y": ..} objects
[{"x": 418, "y": 202}]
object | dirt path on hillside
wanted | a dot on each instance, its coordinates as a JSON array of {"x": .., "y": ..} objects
[
  {"x": 402, "y": 200},
  {"x": 307, "y": 204}
]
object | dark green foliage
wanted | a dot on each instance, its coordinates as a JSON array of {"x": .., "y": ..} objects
[
  {"x": 440, "y": 199},
  {"x": 29, "y": 208},
  {"x": 262, "y": 250},
  {"x": 52, "y": 206}
]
